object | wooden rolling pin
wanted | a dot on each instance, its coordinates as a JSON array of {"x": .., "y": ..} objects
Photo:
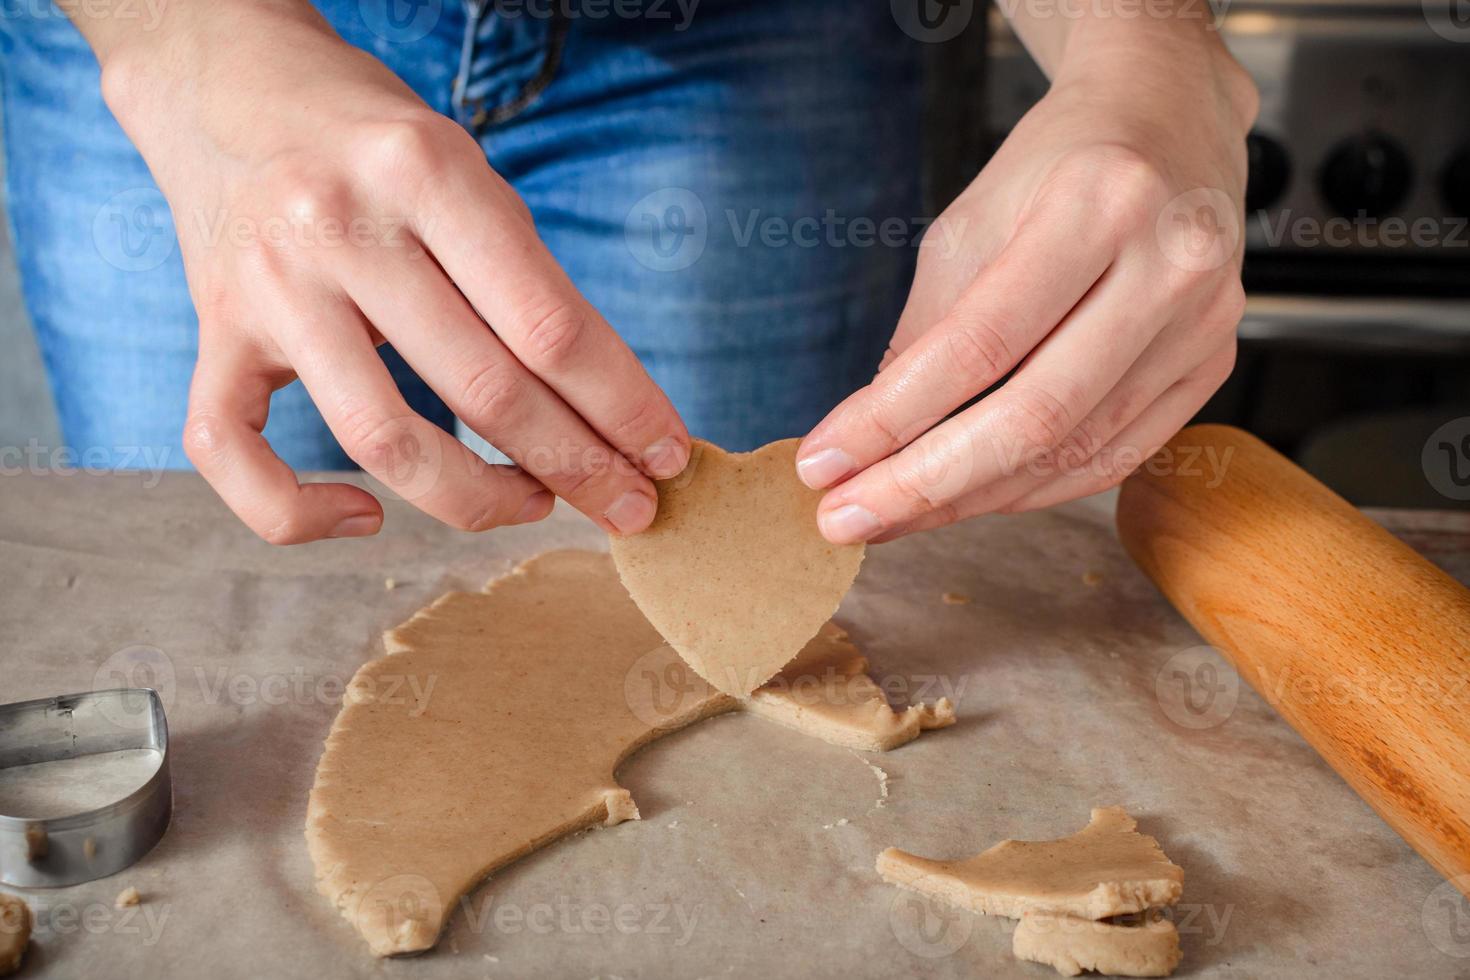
[{"x": 1362, "y": 645}]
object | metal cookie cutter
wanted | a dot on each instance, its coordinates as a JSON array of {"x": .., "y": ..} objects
[{"x": 78, "y": 847}]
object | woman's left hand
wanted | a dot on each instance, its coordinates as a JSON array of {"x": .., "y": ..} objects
[{"x": 1095, "y": 259}]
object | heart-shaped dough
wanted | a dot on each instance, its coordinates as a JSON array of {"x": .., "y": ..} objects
[{"x": 733, "y": 571}]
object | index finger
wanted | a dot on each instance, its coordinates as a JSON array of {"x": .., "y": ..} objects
[
  {"x": 1013, "y": 303},
  {"x": 513, "y": 282}
]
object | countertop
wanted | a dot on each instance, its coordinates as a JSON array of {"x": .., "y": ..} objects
[{"x": 1077, "y": 685}]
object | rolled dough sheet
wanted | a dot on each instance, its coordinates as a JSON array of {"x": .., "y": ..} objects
[
  {"x": 733, "y": 571},
  {"x": 1071, "y": 945},
  {"x": 495, "y": 723},
  {"x": 1108, "y": 868},
  {"x": 15, "y": 932}
]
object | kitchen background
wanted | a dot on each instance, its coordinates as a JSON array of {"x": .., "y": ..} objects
[{"x": 1355, "y": 349}]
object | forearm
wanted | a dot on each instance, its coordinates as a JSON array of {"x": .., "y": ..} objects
[
  {"x": 111, "y": 29},
  {"x": 1160, "y": 45}
]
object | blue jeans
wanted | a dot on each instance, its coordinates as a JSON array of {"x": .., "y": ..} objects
[{"x": 734, "y": 184}]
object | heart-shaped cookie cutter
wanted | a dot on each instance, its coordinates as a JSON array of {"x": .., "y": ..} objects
[{"x": 94, "y": 843}]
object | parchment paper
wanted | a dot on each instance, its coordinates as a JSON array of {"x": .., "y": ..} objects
[{"x": 755, "y": 854}]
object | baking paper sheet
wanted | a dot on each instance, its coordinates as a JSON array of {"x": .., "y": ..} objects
[{"x": 755, "y": 854}]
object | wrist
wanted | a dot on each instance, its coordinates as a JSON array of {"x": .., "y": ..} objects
[
  {"x": 160, "y": 63},
  {"x": 1168, "y": 56}
]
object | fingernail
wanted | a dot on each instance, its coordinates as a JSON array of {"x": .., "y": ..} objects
[
  {"x": 537, "y": 506},
  {"x": 666, "y": 458},
  {"x": 632, "y": 512},
  {"x": 849, "y": 524},
  {"x": 825, "y": 468},
  {"x": 357, "y": 527}
]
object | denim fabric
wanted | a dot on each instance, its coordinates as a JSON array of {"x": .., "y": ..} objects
[{"x": 731, "y": 182}]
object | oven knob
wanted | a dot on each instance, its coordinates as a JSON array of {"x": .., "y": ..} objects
[
  {"x": 1455, "y": 184},
  {"x": 1269, "y": 172},
  {"x": 1366, "y": 175}
]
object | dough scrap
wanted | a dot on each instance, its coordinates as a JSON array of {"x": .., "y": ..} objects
[
  {"x": 826, "y": 692},
  {"x": 1105, "y": 869},
  {"x": 15, "y": 932},
  {"x": 1071, "y": 945},
  {"x": 733, "y": 571},
  {"x": 495, "y": 722}
]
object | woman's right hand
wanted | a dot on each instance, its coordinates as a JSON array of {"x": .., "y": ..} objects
[{"x": 322, "y": 208}]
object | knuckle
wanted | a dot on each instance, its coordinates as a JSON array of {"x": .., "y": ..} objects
[
  {"x": 368, "y": 435},
  {"x": 311, "y": 199},
  {"x": 204, "y": 439},
  {"x": 977, "y": 350},
  {"x": 1232, "y": 303},
  {"x": 283, "y": 533},
  {"x": 918, "y": 494},
  {"x": 551, "y": 334},
  {"x": 412, "y": 146},
  {"x": 491, "y": 394},
  {"x": 575, "y": 482},
  {"x": 1041, "y": 418},
  {"x": 1085, "y": 441},
  {"x": 638, "y": 424}
]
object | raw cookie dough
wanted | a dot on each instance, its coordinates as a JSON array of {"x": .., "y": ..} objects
[
  {"x": 826, "y": 692},
  {"x": 15, "y": 932},
  {"x": 494, "y": 726},
  {"x": 1071, "y": 945},
  {"x": 733, "y": 571},
  {"x": 1105, "y": 869}
]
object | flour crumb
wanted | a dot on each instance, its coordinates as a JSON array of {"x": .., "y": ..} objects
[
  {"x": 491, "y": 959},
  {"x": 673, "y": 824},
  {"x": 389, "y": 584},
  {"x": 1092, "y": 578},
  {"x": 955, "y": 599},
  {"x": 882, "y": 775},
  {"x": 128, "y": 897}
]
